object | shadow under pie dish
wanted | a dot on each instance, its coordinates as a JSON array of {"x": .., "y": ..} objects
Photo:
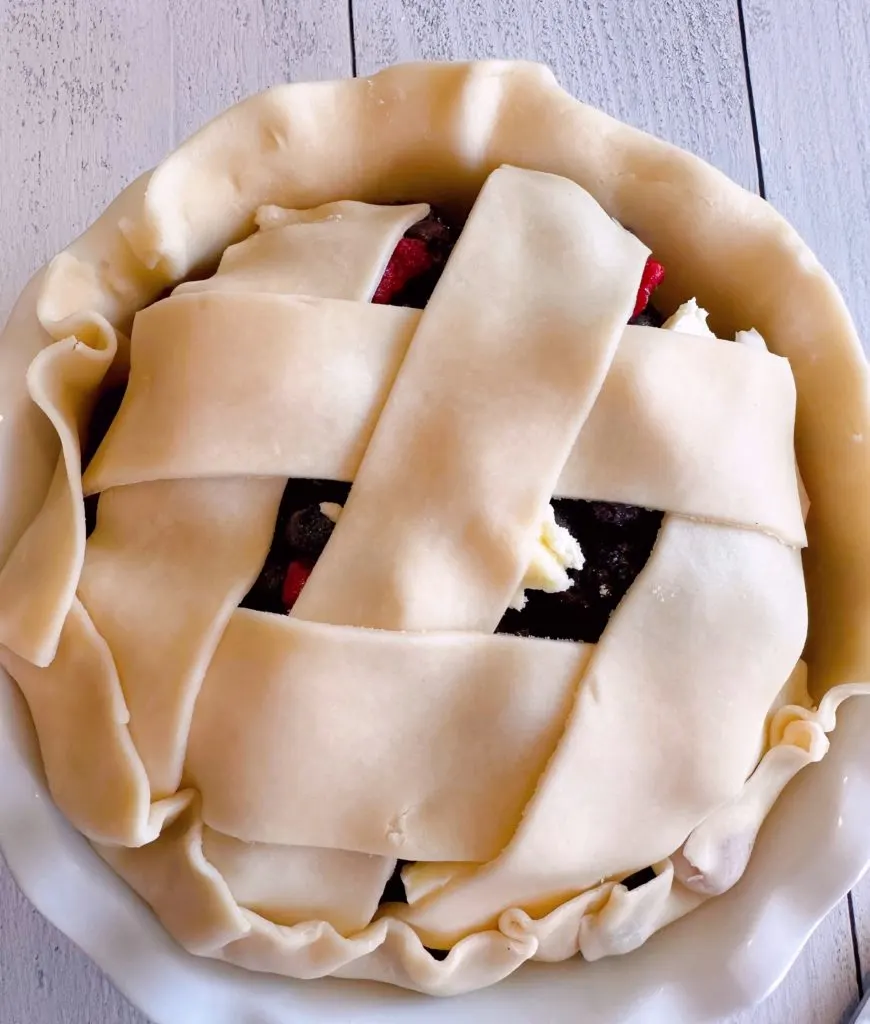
[{"x": 530, "y": 614}]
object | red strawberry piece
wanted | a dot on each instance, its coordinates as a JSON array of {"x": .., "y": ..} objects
[
  {"x": 410, "y": 258},
  {"x": 294, "y": 580},
  {"x": 653, "y": 275}
]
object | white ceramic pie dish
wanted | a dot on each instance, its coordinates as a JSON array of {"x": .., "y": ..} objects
[
  {"x": 722, "y": 959},
  {"x": 795, "y": 878}
]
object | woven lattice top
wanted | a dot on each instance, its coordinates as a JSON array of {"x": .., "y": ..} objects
[{"x": 257, "y": 776}]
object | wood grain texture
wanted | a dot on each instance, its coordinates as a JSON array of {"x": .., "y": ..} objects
[
  {"x": 812, "y": 101},
  {"x": 81, "y": 118},
  {"x": 224, "y": 50},
  {"x": 675, "y": 68},
  {"x": 44, "y": 978},
  {"x": 810, "y": 71},
  {"x": 93, "y": 92}
]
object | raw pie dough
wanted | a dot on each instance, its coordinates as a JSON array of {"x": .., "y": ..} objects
[{"x": 255, "y": 777}]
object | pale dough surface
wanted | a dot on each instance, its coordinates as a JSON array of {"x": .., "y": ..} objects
[
  {"x": 416, "y": 746},
  {"x": 284, "y": 386},
  {"x": 633, "y": 753}
]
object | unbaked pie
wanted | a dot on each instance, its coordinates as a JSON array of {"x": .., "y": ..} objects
[{"x": 417, "y": 583}]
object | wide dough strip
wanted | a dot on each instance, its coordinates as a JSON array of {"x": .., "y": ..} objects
[
  {"x": 294, "y": 386},
  {"x": 505, "y": 365},
  {"x": 714, "y": 626},
  {"x": 423, "y": 745},
  {"x": 227, "y": 385},
  {"x": 338, "y": 250},
  {"x": 165, "y": 568}
]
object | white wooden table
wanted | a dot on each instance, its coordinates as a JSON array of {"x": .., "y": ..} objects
[{"x": 774, "y": 92}]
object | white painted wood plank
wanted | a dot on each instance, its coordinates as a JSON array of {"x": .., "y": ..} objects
[
  {"x": 675, "y": 69},
  {"x": 91, "y": 94},
  {"x": 82, "y": 114},
  {"x": 810, "y": 69},
  {"x": 224, "y": 50}
]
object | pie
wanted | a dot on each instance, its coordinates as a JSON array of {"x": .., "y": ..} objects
[{"x": 413, "y": 583}]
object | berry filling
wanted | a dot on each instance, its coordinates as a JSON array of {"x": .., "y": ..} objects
[
  {"x": 301, "y": 533},
  {"x": 616, "y": 541},
  {"x": 417, "y": 263},
  {"x": 652, "y": 277},
  {"x": 410, "y": 259},
  {"x": 294, "y": 580},
  {"x": 639, "y": 878}
]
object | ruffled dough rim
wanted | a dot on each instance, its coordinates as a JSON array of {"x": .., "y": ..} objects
[
  {"x": 673, "y": 200},
  {"x": 487, "y": 113}
]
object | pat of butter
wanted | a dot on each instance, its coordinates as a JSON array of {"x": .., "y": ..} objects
[
  {"x": 690, "y": 318},
  {"x": 555, "y": 552}
]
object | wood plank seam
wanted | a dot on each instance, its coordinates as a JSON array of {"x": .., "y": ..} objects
[
  {"x": 856, "y": 947},
  {"x": 759, "y": 164},
  {"x": 352, "y": 31}
]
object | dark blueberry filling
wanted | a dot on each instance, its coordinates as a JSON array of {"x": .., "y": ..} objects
[
  {"x": 394, "y": 890},
  {"x": 648, "y": 317},
  {"x": 105, "y": 410},
  {"x": 639, "y": 878},
  {"x": 616, "y": 541},
  {"x": 301, "y": 533}
]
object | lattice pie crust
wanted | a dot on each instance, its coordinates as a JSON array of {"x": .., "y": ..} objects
[{"x": 255, "y": 777}]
